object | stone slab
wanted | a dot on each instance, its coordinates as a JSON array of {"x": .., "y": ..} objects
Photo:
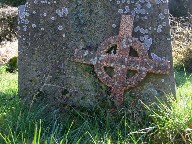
[{"x": 51, "y": 31}]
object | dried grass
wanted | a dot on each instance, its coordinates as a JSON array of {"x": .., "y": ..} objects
[
  {"x": 181, "y": 31},
  {"x": 7, "y": 51},
  {"x": 8, "y": 23}
]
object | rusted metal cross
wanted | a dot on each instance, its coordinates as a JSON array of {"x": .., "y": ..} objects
[{"x": 122, "y": 61}]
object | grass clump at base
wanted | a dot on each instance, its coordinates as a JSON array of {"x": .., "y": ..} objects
[
  {"x": 173, "y": 121},
  {"x": 20, "y": 123},
  {"x": 165, "y": 123}
]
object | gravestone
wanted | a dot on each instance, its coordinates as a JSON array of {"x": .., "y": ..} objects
[{"x": 95, "y": 53}]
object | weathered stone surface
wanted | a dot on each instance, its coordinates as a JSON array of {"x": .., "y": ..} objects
[
  {"x": 52, "y": 31},
  {"x": 180, "y": 8},
  {"x": 122, "y": 60}
]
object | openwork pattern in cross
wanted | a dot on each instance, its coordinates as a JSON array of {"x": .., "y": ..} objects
[{"x": 122, "y": 61}]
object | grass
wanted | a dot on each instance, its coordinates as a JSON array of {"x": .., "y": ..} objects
[
  {"x": 174, "y": 121},
  {"x": 34, "y": 124},
  {"x": 8, "y": 90}
]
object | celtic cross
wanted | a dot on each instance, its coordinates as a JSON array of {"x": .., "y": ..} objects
[{"x": 122, "y": 61}]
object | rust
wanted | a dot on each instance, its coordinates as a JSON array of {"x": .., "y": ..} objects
[{"x": 122, "y": 61}]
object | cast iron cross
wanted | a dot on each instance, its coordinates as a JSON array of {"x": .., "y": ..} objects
[{"x": 122, "y": 61}]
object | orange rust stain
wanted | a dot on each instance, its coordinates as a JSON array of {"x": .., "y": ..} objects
[{"x": 122, "y": 61}]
